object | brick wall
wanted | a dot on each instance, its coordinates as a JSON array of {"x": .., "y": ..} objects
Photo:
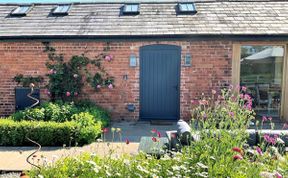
[{"x": 211, "y": 68}]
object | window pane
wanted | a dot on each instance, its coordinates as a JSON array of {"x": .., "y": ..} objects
[
  {"x": 261, "y": 72},
  {"x": 21, "y": 10}
]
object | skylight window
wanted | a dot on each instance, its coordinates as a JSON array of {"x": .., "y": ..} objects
[
  {"x": 131, "y": 9},
  {"x": 62, "y": 9},
  {"x": 187, "y": 8},
  {"x": 21, "y": 10}
]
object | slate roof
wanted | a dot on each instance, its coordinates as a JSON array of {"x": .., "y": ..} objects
[{"x": 214, "y": 17}]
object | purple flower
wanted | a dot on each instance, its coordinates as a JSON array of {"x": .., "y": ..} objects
[
  {"x": 259, "y": 151},
  {"x": 110, "y": 86},
  {"x": 231, "y": 114},
  {"x": 264, "y": 118}
]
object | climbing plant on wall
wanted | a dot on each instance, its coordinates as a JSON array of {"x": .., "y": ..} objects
[{"x": 67, "y": 78}]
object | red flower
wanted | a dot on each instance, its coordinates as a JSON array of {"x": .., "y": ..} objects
[
  {"x": 237, "y": 157},
  {"x": 159, "y": 134},
  {"x": 154, "y": 139},
  {"x": 237, "y": 149},
  {"x": 154, "y": 131},
  {"x": 105, "y": 130},
  {"x": 127, "y": 141}
]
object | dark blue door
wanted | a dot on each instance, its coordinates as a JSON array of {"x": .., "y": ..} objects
[{"x": 160, "y": 82}]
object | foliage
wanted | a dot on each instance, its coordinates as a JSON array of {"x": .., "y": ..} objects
[
  {"x": 47, "y": 133},
  {"x": 62, "y": 111},
  {"x": 66, "y": 79},
  {"x": 221, "y": 152},
  {"x": 25, "y": 81}
]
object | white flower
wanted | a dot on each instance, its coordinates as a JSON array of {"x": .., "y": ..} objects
[
  {"x": 40, "y": 176},
  {"x": 201, "y": 165}
]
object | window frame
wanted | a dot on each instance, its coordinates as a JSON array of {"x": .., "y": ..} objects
[
  {"x": 125, "y": 12},
  {"x": 14, "y": 13},
  {"x": 236, "y": 56},
  {"x": 62, "y": 13}
]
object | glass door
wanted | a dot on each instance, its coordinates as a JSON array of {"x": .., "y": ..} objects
[{"x": 261, "y": 71}]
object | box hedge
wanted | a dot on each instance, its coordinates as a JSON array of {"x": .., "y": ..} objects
[{"x": 49, "y": 133}]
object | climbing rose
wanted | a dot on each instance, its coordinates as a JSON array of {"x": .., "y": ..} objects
[
  {"x": 110, "y": 86},
  {"x": 98, "y": 86},
  {"x": 154, "y": 139},
  {"x": 51, "y": 71},
  {"x": 75, "y": 93},
  {"x": 68, "y": 93},
  {"x": 237, "y": 157}
]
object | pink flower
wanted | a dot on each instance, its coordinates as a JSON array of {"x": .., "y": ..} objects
[
  {"x": 98, "y": 86},
  {"x": 203, "y": 102},
  {"x": 154, "y": 139},
  {"x": 159, "y": 134},
  {"x": 68, "y": 93},
  {"x": 231, "y": 114},
  {"x": 153, "y": 131},
  {"x": 269, "y": 118},
  {"x": 51, "y": 71},
  {"x": 237, "y": 149},
  {"x": 75, "y": 93},
  {"x": 237, "y": 157},
  {"x": 259, "y": 151},
  {"x": 109, "y": 57},
  {"x": 105, "y": 130},
  {"x": 278, "y": 175},
  {"x": 264, "y": 118},
  {"x": 127, "y": 141},
  {"x": 243, "y": 88},
  {"x": 213, "y": 92},
  {"x": 110, "y": 86},
  {"x": 285, "y": 126}
]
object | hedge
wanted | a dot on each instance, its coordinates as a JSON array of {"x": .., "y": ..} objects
[{"x": 14, "y": 133}]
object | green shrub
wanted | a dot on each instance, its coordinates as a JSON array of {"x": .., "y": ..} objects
[
  {"x": 14, "y": 133},
  {"x": 37, "y": 114}
]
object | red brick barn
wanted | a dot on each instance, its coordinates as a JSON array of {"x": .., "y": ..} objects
[{"x": 165, "y": 54}]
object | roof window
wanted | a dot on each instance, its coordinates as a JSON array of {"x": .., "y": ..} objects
[
  {"x": 187, "y": 8},
  {"x": 21, "y": 10},
  {"x": 131, "y": 9},
  {"x": 62, "y": 9}
]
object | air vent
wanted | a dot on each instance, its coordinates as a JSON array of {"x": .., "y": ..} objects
[
  {"x": 62, "y": 9},
  {"x": 187, "y": 8},
  {"x": 21, "y": 10},
  {"x": 131, "y": 9}
]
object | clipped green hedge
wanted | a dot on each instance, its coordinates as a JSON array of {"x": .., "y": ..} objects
[{"x": 14, "y": 133}]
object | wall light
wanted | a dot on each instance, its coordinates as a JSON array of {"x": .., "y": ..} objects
[
  {"x": 133, "y": 60},
  {"x": 187, "y": 59}
]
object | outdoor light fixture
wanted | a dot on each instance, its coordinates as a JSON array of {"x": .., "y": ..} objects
[
  {"x": 131, "y": 107},
  {"x": 133, "y": 60},
  {"x": 187, "y": 59}
]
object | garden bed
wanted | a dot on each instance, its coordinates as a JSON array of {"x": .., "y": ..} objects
[{"x": 54, "y": 124}]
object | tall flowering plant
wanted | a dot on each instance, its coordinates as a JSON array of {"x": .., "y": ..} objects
[{"x": 230, "y": 109}]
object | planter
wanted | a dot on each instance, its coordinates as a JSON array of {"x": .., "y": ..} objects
[{"x": 22, "y": 101}]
